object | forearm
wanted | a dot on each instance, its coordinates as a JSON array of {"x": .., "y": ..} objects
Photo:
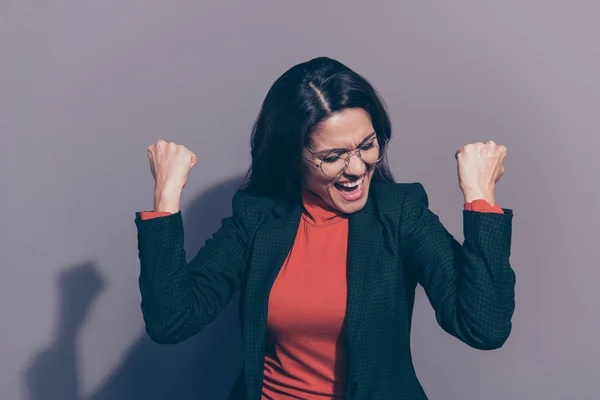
[
  {"x": 485, "y": 280},
  {"x": 470, "y": 286},
  {"x": 164, "y": 282}
]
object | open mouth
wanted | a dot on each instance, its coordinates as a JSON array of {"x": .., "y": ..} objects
[{"x": 351, "y": 191}]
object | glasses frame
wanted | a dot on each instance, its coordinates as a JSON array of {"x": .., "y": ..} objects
[{"x": 381, "y": 143}]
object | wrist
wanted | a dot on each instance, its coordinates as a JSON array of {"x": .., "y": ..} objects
[
  {"x": 488, "y": 196},
  {"x": 469, "y": 197},
  {"x": 167, "y": 200}
]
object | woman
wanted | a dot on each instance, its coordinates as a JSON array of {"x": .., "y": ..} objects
[{"x": 327, "y": 250}]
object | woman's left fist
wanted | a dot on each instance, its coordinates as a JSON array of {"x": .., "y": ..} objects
[{"x": 480, "y": 166}]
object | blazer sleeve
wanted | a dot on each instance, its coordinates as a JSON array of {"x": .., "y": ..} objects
[
  {"x": 179, "y": 299},
  {"x": 470, "y": 286}
]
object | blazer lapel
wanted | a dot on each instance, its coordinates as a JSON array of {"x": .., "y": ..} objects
[
  {"x": 272, "y": 244},
  {"x": 364, "y": 238}
]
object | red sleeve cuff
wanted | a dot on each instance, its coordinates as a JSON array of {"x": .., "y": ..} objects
[
  {"x": 153, "y": 214},
  {"x": 481, "y": 205}
]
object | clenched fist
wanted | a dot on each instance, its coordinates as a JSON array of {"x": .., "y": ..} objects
[
  {"x": 170, "y": 164},
  {"x": 480, "y": 166}
]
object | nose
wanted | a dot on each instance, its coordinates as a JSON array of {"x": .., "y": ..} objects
[{"x": 356, "y": 166}]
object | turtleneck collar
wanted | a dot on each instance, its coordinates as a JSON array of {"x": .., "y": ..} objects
[{"x": 317, "y": 212}]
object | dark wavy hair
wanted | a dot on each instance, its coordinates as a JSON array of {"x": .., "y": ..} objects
[{"x": 304, "y": 96}]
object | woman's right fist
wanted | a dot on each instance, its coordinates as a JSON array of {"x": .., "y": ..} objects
[{"x": 170, "y": 164}]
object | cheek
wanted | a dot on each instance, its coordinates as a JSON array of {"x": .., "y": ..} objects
[{"x": 315, "y": 180}]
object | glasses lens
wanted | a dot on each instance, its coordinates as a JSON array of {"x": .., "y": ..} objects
[
  {"x": 333, "y": 164},
  {"x": 373, "y": 153}
]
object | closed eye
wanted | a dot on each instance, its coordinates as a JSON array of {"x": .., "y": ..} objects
[
  {"x": 368, "y": 146},
  {"x": 331, "y": 159}
]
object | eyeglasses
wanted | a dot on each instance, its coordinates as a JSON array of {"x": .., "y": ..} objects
[{"x": 335, "y": 163}]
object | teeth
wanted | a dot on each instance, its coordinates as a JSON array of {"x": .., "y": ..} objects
[{"x": 352, "y": 184}]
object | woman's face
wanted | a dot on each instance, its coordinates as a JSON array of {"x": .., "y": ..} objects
[{"x": 348, "y": 129}]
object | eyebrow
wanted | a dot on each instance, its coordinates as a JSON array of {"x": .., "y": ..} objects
[{"x": 341, "y": 149}]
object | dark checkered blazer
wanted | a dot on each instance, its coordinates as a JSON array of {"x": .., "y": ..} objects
[{"x": 394, "y": 242}]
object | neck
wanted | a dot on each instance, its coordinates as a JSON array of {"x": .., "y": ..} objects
[{"x": 316, "y": 210}]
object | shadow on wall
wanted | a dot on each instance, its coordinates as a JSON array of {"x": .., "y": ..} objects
[
  {"x": 203, "y": 367},
  {"x": 53, "y": 374}
]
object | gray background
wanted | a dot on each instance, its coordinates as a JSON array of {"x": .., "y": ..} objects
[{"x": 85, "y": 88}]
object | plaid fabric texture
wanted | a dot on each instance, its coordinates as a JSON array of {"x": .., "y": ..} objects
[{"x": 395, "y": 242}]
